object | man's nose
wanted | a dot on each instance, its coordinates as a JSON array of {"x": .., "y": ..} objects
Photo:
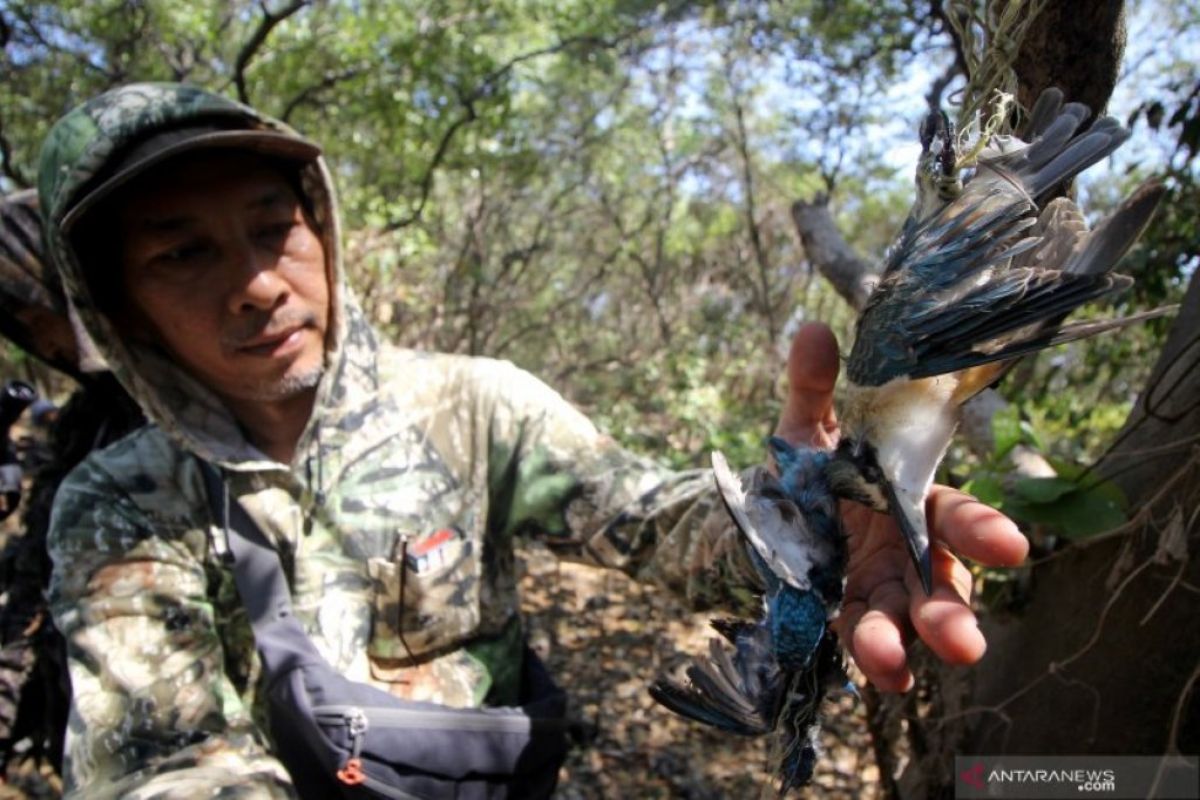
[{"x": 257, "y": 283}]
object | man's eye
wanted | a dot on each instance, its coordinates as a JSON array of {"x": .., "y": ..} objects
[
  {"x": 276, "y": 231},
  {"x": 183, "y": 254}
]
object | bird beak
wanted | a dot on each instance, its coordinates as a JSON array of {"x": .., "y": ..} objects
[
  {"x": 887, "y": 483},
  {"x": 909, "y": 512}
]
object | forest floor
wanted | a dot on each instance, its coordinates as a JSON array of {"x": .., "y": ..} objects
[{"x": 606, "y": 638}]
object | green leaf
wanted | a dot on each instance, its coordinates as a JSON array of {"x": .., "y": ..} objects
[
  {"x": 1068, "y": 470},
  {"x": 1006, "y": 431},
  {"x": 1075, "y": 508},
  {"x": 987, "y": 489},
  {"x": 1031, "y": 436},
  {"x": 1075, "y": 515},
  {"x": 1043, "y": 490}
]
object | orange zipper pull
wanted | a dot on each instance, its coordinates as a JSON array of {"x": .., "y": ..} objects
[{"x": 352, "y": 774}]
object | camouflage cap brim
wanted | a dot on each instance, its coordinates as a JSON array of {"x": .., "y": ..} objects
[{"x": 169, "y": 144}]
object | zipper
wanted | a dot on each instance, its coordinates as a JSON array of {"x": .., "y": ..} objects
[
  {"x": 352, "y": 773},
  {"x": 356, "y": 723},
  {"x": 404, "y": 719}
]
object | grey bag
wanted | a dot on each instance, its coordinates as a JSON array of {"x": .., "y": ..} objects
[{"x": 341, "y": 738}]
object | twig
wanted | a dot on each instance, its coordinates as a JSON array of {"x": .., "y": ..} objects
[
  {"x": 250, "y": 49},
  {"x": 468, "y": 99},
  {"x": 761, "y": 259},
  {"x": 309, "y": 93}
]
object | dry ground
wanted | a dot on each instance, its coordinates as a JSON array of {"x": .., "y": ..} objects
[{"x": 606, "y": 638}]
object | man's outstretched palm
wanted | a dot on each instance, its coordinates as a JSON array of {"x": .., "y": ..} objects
[{"x": 884, "y": 603}]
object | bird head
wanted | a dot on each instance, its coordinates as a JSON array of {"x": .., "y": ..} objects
[
  {"x": 937, "y": 143},
  {"x": 938, "y": 179},
  {"x": 875, "y": 471}
]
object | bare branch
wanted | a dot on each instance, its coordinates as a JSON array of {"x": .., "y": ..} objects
[
  {"x": 937, "y": 11},
  {"x": 30, "y": 27},
  {"x": 118, "y": 50},
  {"x": 933, "y": 98},
  {"x": 761, "y": 259},
  {"x": 310, "y": 94},
  {"x": 481, "y": 91},
  {"x": 250, "y": 49},
  {"x": 852, "y": 277}
]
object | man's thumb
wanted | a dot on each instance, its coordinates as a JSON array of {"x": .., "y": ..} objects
[{"x": 812, "y": 371}]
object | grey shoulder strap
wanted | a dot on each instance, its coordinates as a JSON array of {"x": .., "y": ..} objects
[{"x": 261, "y": 582}]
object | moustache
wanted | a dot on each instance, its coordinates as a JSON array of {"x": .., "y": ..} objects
[{"x": 266, "y": 325}]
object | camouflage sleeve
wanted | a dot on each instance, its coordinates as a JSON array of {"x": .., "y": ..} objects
[
  {"x": 153, "y": 713},
  {"x": 554, "y": 475}
]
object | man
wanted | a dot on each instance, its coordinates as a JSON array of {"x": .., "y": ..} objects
[{"x": 198, "y": 243}]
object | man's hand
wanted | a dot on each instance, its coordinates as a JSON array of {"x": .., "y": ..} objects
[{"x": 884, "y": 601}]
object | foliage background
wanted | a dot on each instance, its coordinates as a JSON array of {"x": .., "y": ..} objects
[{"x": 598, "y": 191}]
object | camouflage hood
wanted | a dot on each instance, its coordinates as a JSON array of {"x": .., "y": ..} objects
[{"x": 81, "y": 151}]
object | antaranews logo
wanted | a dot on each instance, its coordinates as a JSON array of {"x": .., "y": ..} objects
[
  {"x": 1049, "y": 777},
  {"x": 1084, "y": 780},
  {"x": 973, "y": 775}
]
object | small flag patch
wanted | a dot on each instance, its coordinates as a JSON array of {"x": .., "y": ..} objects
[{"x": 433, "y": 551}]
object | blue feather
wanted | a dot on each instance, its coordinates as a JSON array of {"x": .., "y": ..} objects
[{"x": 784, "y": 662}]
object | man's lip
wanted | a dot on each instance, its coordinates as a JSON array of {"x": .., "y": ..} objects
[{"x": 262, "y": 345}]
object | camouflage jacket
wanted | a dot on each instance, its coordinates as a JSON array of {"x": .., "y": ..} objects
[{"x": 417, "y": 465}]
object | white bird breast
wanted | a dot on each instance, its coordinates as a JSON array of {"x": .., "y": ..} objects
[{"x": 910, "y": 423}]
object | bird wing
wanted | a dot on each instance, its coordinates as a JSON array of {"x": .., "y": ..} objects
[
  {"x": 770, "y": 521},
  {"x": 718, "y": 693},
  {"x": 981, "y": 326},
  {"x": 991, "y": 276},
  {"x": 1019, "y": 309},
  {"x": 1046, "y": 338},
  {"x": 1054, "y": 150}
]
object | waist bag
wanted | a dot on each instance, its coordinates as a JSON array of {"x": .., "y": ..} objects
[{"x": 342, "y": 738}]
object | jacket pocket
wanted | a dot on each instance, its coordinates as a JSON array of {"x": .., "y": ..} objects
[{"x": 427, "y": 598}]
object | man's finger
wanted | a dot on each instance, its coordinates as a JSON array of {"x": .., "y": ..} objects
[
  {"x": 944, "y": 621},
  {"x": 873, "y": 630},
  {"x": 975, "y": 530},
  {"x": 812, "y": 372}
]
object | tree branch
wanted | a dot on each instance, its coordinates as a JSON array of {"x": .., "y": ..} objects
[
  {"x": 937, "y": 11},
  {"x": 309, "y": 94},
  {"x": 250, "y": 49},
  {"x": 761, "y": 259},
  {"x": 851, "y": 277},
  {"x": 31, "y": 27},
  {"x": 484, "y": 88}
]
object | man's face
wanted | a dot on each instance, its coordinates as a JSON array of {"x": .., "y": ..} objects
[{"x": 223, "y": 268}]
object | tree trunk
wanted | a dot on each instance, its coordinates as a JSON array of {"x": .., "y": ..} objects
[
  {"x": 1077, "y": 46},
  {"x": 1102, "y": 654},
  {"x": 1109, "y": 643}
]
